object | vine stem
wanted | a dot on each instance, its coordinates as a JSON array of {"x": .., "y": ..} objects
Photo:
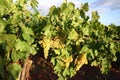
[{"x": 24, "y": 74}]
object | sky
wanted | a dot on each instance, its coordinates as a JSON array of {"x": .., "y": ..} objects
[{"x": 109, "y": 10}]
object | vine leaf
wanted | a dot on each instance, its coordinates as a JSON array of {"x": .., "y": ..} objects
[
  {"x": 85, "y": 7},
  {"x": 95, "y": 16},
  {"x": 80, "y": 61},
  {"x": 14, "y": 70},
  {"x": 2, "y": 25}
]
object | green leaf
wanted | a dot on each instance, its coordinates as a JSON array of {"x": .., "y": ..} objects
[
  {"x": 33, "y": 49},
  {"x": 61, "y": 77},
  {"x": 96, "y": 52},
  {"x": 34, "y": 3},
  {"x": 14, "y": 70},
  {"x": 3, "y": 38},
  {"x": 95, "y": 16},
  {"x": 92, "y": 53},
  {"x": 27, "y": 30},
  {"x": 28, "y": 38},
  {"x": 57, "y": 68},
  {"x": 63, "y": 6},
  {"x": 72, "y": 71},
  {"x": 77, "y": 14},
  {"x": 84, "y": 49},
  {"x": 82, "y": 14},
  {"x": 4, "y": 4},
  {"x": 52, "y": 9},
  {"x": 64, "y": 52},
  {"x": 2, "y": 25},
  {"x": 86, "y": 30},
  {"x": 94, "y": 63},
  {"x": 112, "y": 45},
  {"x": 53, "y": 61},
  {"x": 112, "y": 48},
  {"x": 15, "y": 56},
  {"x": 85, "y": 7},
  {"x": 66, "y": 72},
  {"x": 105, "y": 66},
  {"x": 47, "y": 31},
  {"x": 71, "y": 6},
  {"x": 64, "y": 9},
  {"x": 73, "y": 35},
  {"x": 57, "y": 51},
  {"x": 9, "y": 40},
  {"x": 22, "y": 46}
]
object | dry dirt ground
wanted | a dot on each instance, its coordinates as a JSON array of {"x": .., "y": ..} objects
[{"x": 43, "y": 70}]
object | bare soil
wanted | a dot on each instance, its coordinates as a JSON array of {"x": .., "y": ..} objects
[{"x": 41, "y": 69}]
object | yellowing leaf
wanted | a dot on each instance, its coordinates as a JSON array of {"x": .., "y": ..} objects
[
  {"x": 80, "y": 61},
  {"x": 57, "y": 43},
  {"x": 68, "y": 61}
]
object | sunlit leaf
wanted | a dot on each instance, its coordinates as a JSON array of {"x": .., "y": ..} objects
[
  {"x": 85, "y": 7},
  {"x": 80, "y": 61},
  {"x": 2, "y": 25},
  {"x": 95, "y": 15},
  {"x": 73, "y": 35}
]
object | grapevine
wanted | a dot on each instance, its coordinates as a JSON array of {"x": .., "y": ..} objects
[{"x": 66, "y": 35}]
